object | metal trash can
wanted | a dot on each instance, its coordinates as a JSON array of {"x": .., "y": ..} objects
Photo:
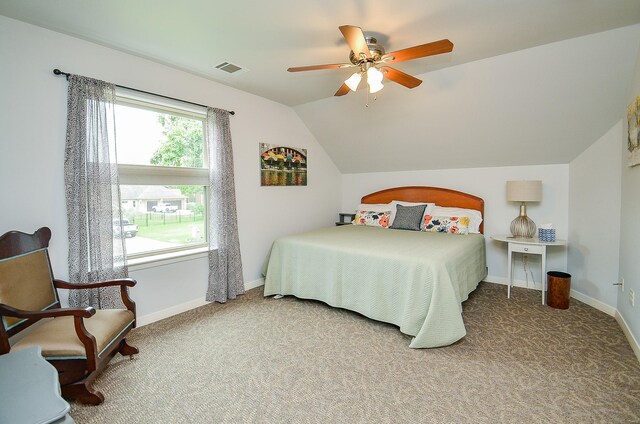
[{"x": 558, "y": 289}]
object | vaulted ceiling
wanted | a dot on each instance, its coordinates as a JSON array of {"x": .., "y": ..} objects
[
  {"x": 543, "y": 105},
  {"x": 519, "y": 87}
]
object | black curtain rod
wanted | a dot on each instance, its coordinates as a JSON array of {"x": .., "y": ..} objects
[{"x": 67, "y": 75}]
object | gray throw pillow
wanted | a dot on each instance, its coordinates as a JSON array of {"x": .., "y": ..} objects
[{"x": 408, "y": 217}]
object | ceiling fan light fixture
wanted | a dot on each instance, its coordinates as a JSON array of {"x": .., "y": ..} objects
[
  {"x": 367, "y": 55},
  {"x": 375, "y": 87},
  {"x": 353, "y": 81},
  {"x": 374, "y": 76},
  {"x": 374, "y": 79}
]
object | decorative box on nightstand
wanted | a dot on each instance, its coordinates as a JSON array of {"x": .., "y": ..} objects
[{"x": 346, "y": 218}]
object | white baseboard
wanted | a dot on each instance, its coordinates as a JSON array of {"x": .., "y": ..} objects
[
  {"x": 253, "y": 284},
  {"x": 627, "y": 332},
  {"x": 171, "y": 311},
  {"x": 516, "y": 283},
  {"x": 601, "y": 306},
  {"x": 186, "y": 306}
]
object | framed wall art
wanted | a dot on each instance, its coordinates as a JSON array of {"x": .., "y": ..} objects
[
  {"x": 282, "y": 165},
  {"x": 633, "y": 141}
]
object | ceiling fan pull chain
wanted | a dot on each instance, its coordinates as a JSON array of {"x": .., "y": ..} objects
[{"x": 375, "y": 97}]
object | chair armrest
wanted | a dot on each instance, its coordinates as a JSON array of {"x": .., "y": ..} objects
[
  {"x": 128, "y": 282},
  {"x": 122, "y": 282},
  {"x": 9, "y": 311},
  {"x": 78, "y": 314}
]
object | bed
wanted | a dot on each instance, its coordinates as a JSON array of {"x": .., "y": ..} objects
[{"x": 415, "y": 280}]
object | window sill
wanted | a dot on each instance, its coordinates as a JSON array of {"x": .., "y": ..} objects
[{"x": 167, "y": 258}]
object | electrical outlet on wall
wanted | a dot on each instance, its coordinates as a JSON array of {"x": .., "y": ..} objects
[{"x": 632, "y": 297}]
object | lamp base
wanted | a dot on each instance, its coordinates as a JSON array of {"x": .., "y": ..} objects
[{"x": 522, "y": 226}]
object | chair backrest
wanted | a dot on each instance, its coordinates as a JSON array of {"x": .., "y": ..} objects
[{"x": 26, "y": 279}]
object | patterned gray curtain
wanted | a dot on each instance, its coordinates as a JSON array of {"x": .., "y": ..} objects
[
  {"x": 225, "y": 264},
  {"x": 96, "y": 251}
]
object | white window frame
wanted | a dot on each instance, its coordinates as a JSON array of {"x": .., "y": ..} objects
[{"x": 166, "y": 175}]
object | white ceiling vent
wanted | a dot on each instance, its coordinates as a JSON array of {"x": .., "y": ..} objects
[{"x": 229, "y": 68}]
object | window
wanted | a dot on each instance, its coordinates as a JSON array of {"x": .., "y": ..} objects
[{"x": 162, "y": 164}]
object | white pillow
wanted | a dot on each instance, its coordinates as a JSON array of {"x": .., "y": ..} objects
[
  {"x": 429, "y": 207},
  {"x": 373, "y": 207},
  {"x": 427, "y": 210},
  {"x": 474, "y": 215}
]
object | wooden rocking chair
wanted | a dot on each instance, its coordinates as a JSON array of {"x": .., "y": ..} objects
[{"x": 78, "y": 342}]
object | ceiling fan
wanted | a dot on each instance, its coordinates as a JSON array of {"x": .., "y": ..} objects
[{"x": 372, "y": 60}]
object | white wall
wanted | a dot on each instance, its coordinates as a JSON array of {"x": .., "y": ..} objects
[
  {"x": 630, "y": 230},
  {"x": 32, "y": 119},
  {"x": 489, "y": 184},
  {"x": 594, "y": 218}
]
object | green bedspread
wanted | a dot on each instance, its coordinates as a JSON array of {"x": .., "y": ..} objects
[{"x": 412, "y": 279}]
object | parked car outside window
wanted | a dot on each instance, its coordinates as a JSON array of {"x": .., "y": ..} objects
[{"x": 127, "y": 228}]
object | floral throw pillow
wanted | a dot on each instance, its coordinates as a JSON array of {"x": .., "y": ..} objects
[
  {"x": 372, "y": 218},
  {"x": 446, "y": 224}
]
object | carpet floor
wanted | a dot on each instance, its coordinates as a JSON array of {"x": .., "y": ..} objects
[{"x": 262, "y": 360}]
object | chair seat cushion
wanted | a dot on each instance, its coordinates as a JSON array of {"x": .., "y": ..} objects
[{"x": 58, "y": 339}]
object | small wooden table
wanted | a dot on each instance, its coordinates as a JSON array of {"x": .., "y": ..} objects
[{"x": 528, "y": 246}]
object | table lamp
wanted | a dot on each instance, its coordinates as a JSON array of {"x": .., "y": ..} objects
[{"x": 523, "y": 191}]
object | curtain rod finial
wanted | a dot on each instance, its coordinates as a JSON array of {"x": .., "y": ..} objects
[{"x": 59, "y": 72}]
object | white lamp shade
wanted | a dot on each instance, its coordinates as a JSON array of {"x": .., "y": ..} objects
[
  {"x": 374, "y": 76},
  {"x": 375, "y": 87},
  {"x": 524, "y": 191},
  {"x": 374, "y": 79},
  {"x": 353, "y": 81}
]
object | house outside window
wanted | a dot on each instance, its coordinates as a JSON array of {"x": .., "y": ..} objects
[{"x": 163, "y": 170}]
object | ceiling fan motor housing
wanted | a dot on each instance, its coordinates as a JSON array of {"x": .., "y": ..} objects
[{"x": 376, "y": 50}]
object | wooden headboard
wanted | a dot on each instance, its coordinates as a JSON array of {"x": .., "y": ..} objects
[{"x": 439, "y": 196}]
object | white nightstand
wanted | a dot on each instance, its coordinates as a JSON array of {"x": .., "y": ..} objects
[{"x": 528, "y": 246}]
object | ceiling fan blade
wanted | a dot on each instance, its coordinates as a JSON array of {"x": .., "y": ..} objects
[
  {"x": 355, "y": 39},
  {"x": 316, "y": 67},
  {"x": 400, "y": 77},
  {"x": 344, "y": 89},
  {"x": 423, "y": 50}
]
